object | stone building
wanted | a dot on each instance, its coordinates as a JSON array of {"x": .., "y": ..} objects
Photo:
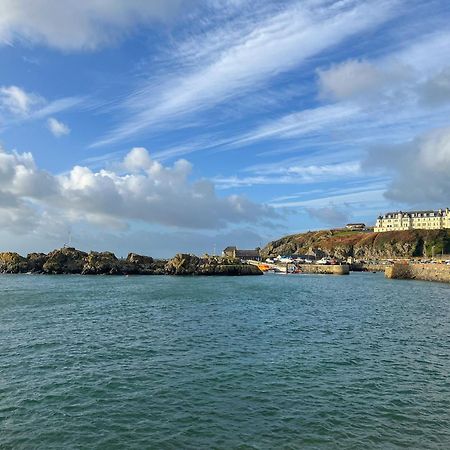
[
  {"x": 413, "y": 220},
  {"x": 233, "y": 252}
]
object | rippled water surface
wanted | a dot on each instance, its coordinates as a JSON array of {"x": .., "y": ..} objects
[{"x": 239, "y": 362}]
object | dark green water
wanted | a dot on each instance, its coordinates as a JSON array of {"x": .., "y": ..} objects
[{"x": 242, "y": 362}]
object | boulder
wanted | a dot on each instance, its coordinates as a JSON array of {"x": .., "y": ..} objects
[
  {"x": 102, "y": 263},
  {"x": 182, "y": 264},
  {"x": 139, "y": 264},
  {"x": 36, "y": 262}
]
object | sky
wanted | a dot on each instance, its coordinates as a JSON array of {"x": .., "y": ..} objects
[{"x": 168, "y": 126}]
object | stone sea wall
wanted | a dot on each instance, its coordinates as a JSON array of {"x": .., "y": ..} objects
[
  {"x": 360, "y": 267},
  {"x": 425, "y": 272},
  {"x": 324, "y": 269}
]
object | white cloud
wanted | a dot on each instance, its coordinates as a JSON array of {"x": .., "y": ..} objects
[
  {"x": 69, "y": 25},
  {"x": 57, "y": 128},
  {"x": 141, "y": 190},
  {"x": 247, "y": 58},
  {"x": 16, "y": 101},
  {"x": 18, "y": 106},
  {"x": 399, "y": 77},
  {"x": 419, "y": 169},
  {"x": 349, "y": 79},
  {"x": 436, "y": 90}
]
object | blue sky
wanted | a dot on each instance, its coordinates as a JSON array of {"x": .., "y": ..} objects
[{"x": 167, "y": 126}]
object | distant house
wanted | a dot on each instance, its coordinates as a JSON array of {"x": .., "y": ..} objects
[
  {"x": 229, "y": 252},
  {"x": 233, "y": 252},
  {"x": 355, "y": 226}
]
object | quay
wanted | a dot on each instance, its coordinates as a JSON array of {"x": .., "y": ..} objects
[
  {"x": 325, "y": 269},
  {"x": 425, "y": 272}
]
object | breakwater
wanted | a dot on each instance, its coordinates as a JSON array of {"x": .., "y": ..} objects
[
  {"x": 425, "y": 272},
  {"x": 324, "y": 269},
  {"x": 362, "y": 267}
]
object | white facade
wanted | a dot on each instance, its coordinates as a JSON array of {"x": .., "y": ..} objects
[{"x": 413, "y": 220}]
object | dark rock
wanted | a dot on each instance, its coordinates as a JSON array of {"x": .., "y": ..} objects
[
  {"x": 138, "y": 264},
  {"x": 36, "y": 262}
]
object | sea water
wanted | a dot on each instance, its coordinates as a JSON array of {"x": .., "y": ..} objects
[{"x": 293, "y": 361}]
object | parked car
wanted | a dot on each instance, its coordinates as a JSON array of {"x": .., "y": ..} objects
[{"x": 323, "y": 261}]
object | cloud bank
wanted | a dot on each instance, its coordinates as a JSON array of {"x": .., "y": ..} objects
[{"x": 139, "y": 189}]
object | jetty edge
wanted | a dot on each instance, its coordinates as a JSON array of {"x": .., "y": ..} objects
[{"x": 69, "y": 260}]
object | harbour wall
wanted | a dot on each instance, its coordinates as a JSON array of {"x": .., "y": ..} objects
[
  {"x": 426, "y": 272},
  {"x": 324, "y": 269},
  {"x": 362, "y": 267}
]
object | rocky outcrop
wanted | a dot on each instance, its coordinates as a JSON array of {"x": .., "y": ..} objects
[
  {"x": 69, "y": 260},
  {"x": 65, "y": 260},
  {"x": 186, "y": 264},
  {"x": 342, "y": 244},
  {"x": 12, "y": 263}
]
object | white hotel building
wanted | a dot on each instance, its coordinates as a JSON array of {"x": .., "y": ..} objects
[{"x": 413, "y": 220}]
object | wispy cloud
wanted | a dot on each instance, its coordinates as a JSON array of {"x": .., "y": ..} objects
[
  {"x": 363, "y": 196},
  {"x": 292, "y": 174},
  {"x": 246, "y": 61},
  {"x": 302, "y": 123}
]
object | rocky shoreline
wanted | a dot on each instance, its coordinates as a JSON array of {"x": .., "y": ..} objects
[{"x": 69, "y": 260}]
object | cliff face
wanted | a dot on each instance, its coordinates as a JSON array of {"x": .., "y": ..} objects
[{"x": 361, "y": 245}]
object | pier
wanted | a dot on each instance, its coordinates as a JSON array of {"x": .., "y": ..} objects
[
  {"x": 425, "y": 272},
  {"x": 295, "y": 268}
]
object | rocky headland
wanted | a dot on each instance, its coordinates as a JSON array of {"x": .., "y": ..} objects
[
  {"x": 342, "y": 244},
  {"x": 69, "y": 260}
]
